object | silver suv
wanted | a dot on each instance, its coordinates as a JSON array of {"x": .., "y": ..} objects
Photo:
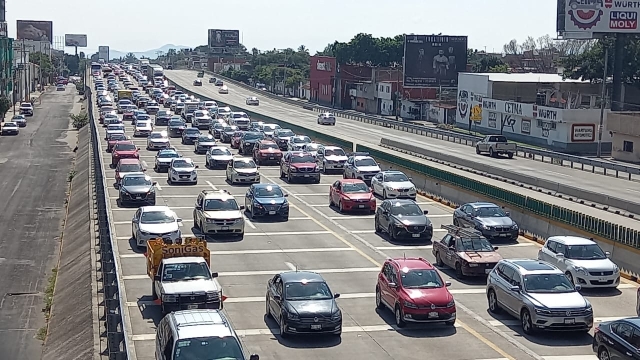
[
  {"x": 217, "y": 212},
  {"x": 538, "y": 294}
]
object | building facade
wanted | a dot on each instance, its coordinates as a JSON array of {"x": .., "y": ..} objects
[
  {"x": 322, "y": 77},
  {"x": 624, "y": 129}
]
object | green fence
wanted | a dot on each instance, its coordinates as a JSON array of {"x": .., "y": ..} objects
[{"x": 573, "y": 218}]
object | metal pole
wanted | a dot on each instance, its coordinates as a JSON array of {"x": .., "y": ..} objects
[
  {"x": 603, "y": 99},
  {"x": 397, "y": 102}
]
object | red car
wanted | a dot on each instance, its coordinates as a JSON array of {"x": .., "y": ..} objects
[
  {"x": 124, "y": 150},
  {"x": 267, "y": 151},
  {"x": 235, "y": 139},
  {"x": 128, "y": 114},
  {"x": 113, "y": 139},
  {"x": 352, "y": 195},
  {"x": 299, "y": 166},
  {"x": 127, "y": 166},
  {"x": 413, "y": 289}
]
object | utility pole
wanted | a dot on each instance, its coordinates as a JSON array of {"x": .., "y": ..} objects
[{"x": 603, "y": 99}]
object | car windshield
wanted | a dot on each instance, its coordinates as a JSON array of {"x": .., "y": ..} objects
[
  {"x": 395, "y": 178},
  {"x": 219, "y": 151},
  {"x": 585, "y": 252},
  {"x": 350, "y": 188},
  {"x": 210, "y": 348},
  {"x": 185, "y": 271},
  {"x": 401, "y": 209},
  {"x": 420, "y": 279},
  {"x": 182, "y": 164},
  {"x": 10, "y": 125},
  {"x": 298, "y": 159},
  {"x": 136, "y": 181},
  {"x": 125, "y": 147},
  {"x": 253, "y": 136},
  {"x": 366, "y": 162},
  {"x": 125, "y": 168},
  {"x": 229, "y": 129},
  {"x": 268, "y": 146},
  {"x": 547, "y": 283},
  {"x": 157, "y": 217},
  {"x": 200, "y": 114},
  {"x": 176, "y": 123},
  {"x": 238, "y": 134},
  {"x": 117, "y": 137},
  {"x": 220, "y": 205},
  {"x": 268, "y": 192},
  {"x": 168, "y": 154},
  {"x": 300, "y": 140},
  {"x": 314, "y": 290},
  {"x": 205, "y": 139},
  {"x": 334, "y": 152},
  {"x": 244, "y": 164},
  {"x": 143, "y": 117},
  {"x": 478, "y": 245},
  {"x": 143, "y": 124},
  {"x": 157, "y": 136},
  {"x": 192, "y": 131},
  {"x": 115, "y": 127},
  {"x": 285, "y": 133},
  {"x": 489, "y": 211}
]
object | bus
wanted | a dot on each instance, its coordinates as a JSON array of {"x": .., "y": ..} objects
[{"x": 96, "y": 69}]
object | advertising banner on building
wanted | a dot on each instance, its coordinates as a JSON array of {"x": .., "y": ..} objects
[
  {"x": 475, "y": 114},
  {"x": 75, "y": 40},
  {"x": 34, "y": 30},
  {"x": 103, "y": 53},
  {"x": 581, "y": 19},
  {"x": 433, "y": 60},
  {"x": 583, "y": 132},
  {"x": 224, "y": 38}
]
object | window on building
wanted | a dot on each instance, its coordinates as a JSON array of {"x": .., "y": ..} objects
[
  {"x": 388, "y": 89},
  {"x": 627, "y": 146},
  {"x": 384, "y": 106},
  {"x": 404, "y": 108}
]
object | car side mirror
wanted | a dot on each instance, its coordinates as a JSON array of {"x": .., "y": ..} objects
[
  {"x": 137, "y": 148},
  {"x": 254, "y": 357},
  {"x": 156, "y": 278},
  {"x": 515, "y": 288},
  {"x": 286, "y": 195},
  {"x": 135, "y": 219},
  {"x": 426, "y": 212},
  {"x": 198, "y": 207},
  {"x": 277, "y": 297},
  {"x": 578, "y": 287},
  {"x": 495, "y": 248},
  {"x": 241, "y": 207},
  {"x": 447, "y": 283},
  {"x": 154, "y": 183},
  {"x": 214, "y": 274},
  {"x": 393, "y": 285},
  {"x": 257, "y": 167},
  {"x": 385, "y": 212},
  {"x": 452, "y": 248},
  {"x": 607, "y": 253},
  {"x": 410, "y": 179},
  {"x": 178, "y": 219},
  {"x": 116, "y": 185},
  {"x": 336, "y": 295},
  {"x": 508, "y": 213}
]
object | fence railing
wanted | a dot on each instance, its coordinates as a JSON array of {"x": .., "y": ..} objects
[
  {"x": 109, "y": 274},
  {"x": 555, "y": 157}
]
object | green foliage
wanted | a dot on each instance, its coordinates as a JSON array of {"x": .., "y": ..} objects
[
  {"x": 589, "y": 65},
  {"x": 43, "y": 60},
  {"x": 130, "y": 58},
  {"x": 501, "y": 68},
  {"x": 238, "y": 75},
  {"x": 482, "y": 62},
  {"x": 368, "y": 50},
  {"x": 5, "y": 106},
  {"x": 80, "y": 120},
  {"x": 72, "y": 63}
]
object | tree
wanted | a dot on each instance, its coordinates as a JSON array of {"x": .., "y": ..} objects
[
  {"x": 5, "y": 106},
  {"x": 366, "y": 50},
  {"x": 482, "y": 62},
  {"x": 542, "y": 54},
  {"x": 46, "y": 66},
  {"x": 72, "y": 63},
  {"x": 501, "y": 68},
  {"x": 80, "y": 120},
  {"x": 130, "y": 58}
]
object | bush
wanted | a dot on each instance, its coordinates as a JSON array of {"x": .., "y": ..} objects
[{"x": 80, "y": 120}]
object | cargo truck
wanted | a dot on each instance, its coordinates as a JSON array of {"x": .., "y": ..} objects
[{"x": 125, "y": 94}]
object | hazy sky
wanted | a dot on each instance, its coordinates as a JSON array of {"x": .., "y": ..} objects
[{"x": 140, "y": 25}]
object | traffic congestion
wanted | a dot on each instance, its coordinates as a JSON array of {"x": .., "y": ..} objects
[{"x": 247, "y": 230}]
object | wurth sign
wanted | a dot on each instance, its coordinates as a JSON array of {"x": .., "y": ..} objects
[{"x": 623, "y": 20}]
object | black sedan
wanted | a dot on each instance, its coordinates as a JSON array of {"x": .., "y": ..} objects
[
  {"x": 617, "y": 339},
  {"x": 176, "y": 127},
  {"x": 136, "y": 188},
  {"x": 302, "y": 303},
  {"x": 266, "y": 200},
  {"x": 403, "y": 218},
  {"x": 227, "y": 133},
  {"x": 190, "y": 135},
  {"x": 488, "y": 218},
  {"x": 248, "y": 141}
]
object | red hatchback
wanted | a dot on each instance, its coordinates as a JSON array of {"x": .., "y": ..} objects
[
  {"x": 124, "y": 150},
  {"x": 352, "y": 195},
  {"x": 413, "y": 289},
  {"x": 235, "y": 139}
]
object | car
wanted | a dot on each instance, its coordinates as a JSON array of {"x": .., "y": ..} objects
[
  {"x": 128, "y": 112},
  {"x": 393, "y": 184},
  {"x": 10, "y": 128},
  {"x": 302, "y": 302},
  {"x": 266, "y": 200},
  {"x": 111, "y": 119},
  {"x": 351, "y": 195},
  {"x": 203, "y": 143},
  {"x": 163, "y": 117},
  {"x": 152, "y": 107},
  {"x": 416, "y": 293},
  {"x": 176, "y": 126},
  {"x": 466, "y": 251},
  {"x": 488, "y": 218},
  {"x": 152, "y": 222},
  {"x": 60, "y": 87},
  {"x": 360, "y": 166},
  {"x": 122, "y": 103},
  {"x": 242, "y": 170},
  {"x": 182, "y": 170},
  {"x": 218, "y": 157},
  {"x": 219, "y": 82},
  {"x": 227, "y": 133},
  {"x": 248, "y": 141},
  {"x": 158, "y": 140},
  {"x": 124, "y": 150},
  {"x": 331, "y": 158},
  {"x": 403, "y": 219},
  {"x": 201, "y": 119},
  {"x": 108, "y": 112},
  {"x": 252, "y": 100},
  {"x": 538, "y": 294},
  {"x": 125, "y": 167},
  {"x": 618, "y": 339},
  {"x": 163, "y": 159},
  {"x": 311, "y": 148},
  {"x": 142, "y": 129},
  {"x": 217, "y": 212},
  {"x": 136, "y": 188},
  {"x": 224, "y": 111},
  {"x": 21, "y": 120},
  {"x": 582, "y": 260},
  {"x": 212, "y": 80},
  {"x": 114, "y": 129},
  {"x": 190, "y": 135},
  {"x": 326, "y": 119},
  {"x": 266, "y": 152},
  {"x": 240, "y": 119},
  {"x": 113, "y": 138},
  {"x": 235, "y": 139},
  {"x": 297, "y": 143},
  {"x": 140, "y": 116},
  {"x": 216, "y": 128},
  {"x": 269, "y": 129},
  {"x": 299, "y": 166},
  {"x": 223, "y": 90},
  {"x": 26, "y": 109}
]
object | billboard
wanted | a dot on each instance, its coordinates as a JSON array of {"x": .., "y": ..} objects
[
  {"x": 103, "y": 53},
  {"x": 79, "y": 40},
  {"x": 35, "y": 30},
  {"x": 224, "y": 38},
  {"x": 581, "y": 19},
  {"x": 433, "y": 60}
]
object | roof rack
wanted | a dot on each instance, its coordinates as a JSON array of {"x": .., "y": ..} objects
[{"x": 466, "y": 233}]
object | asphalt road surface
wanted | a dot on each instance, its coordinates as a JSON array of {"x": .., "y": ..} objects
[
  {"x": 34, "y": 165},
  {"x": 368, "y": 133},
  {"x": 345, "y": 249}
]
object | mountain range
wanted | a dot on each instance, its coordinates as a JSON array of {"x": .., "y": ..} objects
[{"x": 114, "y": 54}]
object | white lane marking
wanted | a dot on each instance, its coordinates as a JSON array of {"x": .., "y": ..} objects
[
  {"x": 212, "y": 186},
  {"x": 158, "y": 187},
  {"x": 172, "y": 208},
  {"x": 248, "y": 222},
  {"x": 291, "y": 266},
  {"x": 571, "y": 357},
  {"x": 362, "y": 231},
  {"x": 300, "y": 218},
  {"x": 627, "y": 286},
  {"x": 273, "y": 272},
  {"x": 417, "y": 247},
  {"x": 355, "y": 217},
  {"x": 513, "y": 322},
  {"x": 259, "y": 251},
  {"x": 283, "y": 233}
]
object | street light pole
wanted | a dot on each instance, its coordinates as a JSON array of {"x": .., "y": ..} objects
[{"x": 603, "y": 99}]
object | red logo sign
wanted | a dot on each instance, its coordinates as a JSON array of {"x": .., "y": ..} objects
[{"x": 623, "y": 20}]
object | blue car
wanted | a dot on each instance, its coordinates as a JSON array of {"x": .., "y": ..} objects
[{"x": 266, "y": 200}]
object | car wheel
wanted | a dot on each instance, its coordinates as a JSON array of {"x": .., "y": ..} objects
[
  {"x": 379, "y": 303},
  {"x": 478, "y": 150},
  {"x": 492, "y": 298},
  {"x": 570, "y": 277},
  {"x": 340, "y": 207},
  {"x": 492, "y": 153},
  {"x": 154, "y": 295},
  {"x": 392, "y": 235},
  {"x": 456, "y": 222},
  {"x": 384, "y": 194},
  {"x": 399, "y": 317},
  {"x": 289, "y": 178},
  {"x": 331, "y": 203},
  {"x": 377, "y": 225},
  {"x": 251, "y": 214},
  {"x": 459, "y": 273},
  {"x": 525, "y": 320},
  {"x": 510, "y": 155},
  {"x": 603, "y": 354},
  {"x": 267, "y": 309},
  {"x": 439, "y": 260},
  {"x": 195, "y": 222},
  {"x": 169, "y": 181},
  {"x": 133, "y": 235},
  {"x": 283, "y": 328},
  {"x": 344, "y": 175}
]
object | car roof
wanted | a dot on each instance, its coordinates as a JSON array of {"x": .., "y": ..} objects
[
  {"x": 332, "y": 147},
  {"x": 267, "y": 141},
  {"x": 634, "y": 321},
  {"x": 129, "y": 161},
  {"x": 398, "y": 202},
  {"x": 412, "y": 263},
  {"x": 299, "y": 276},
  {"x": 390, "y": 172},
  {"x": 137, "y": 174},
  {"x": 126, "y": 142},
  {"x": 192, "y": 324},
  {"x": 299, "y": 153},
  {"x": 572, "y": 240},
  {"x": 217, "y": 194},
  {"x": 480, "y": 204},
  {"x": 184, "y": 259},
  {"x": 351, "y": 181},
  {"x": 155, "y": 208},
  {"x": 244, "y": 159},
  {"x": 265, "y": 186},
  {"x": 532, "y": 266}
]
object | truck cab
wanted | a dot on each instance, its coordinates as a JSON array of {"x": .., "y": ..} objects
[
  {"x": 189, "y": 108},
  {"x": 181, "y": 275},
  {"x": 496, "y": 145}
]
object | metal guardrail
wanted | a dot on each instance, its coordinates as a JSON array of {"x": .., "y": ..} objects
[
  {"x": 113, "y": 303},
  {"x": 557, "y": 158}
]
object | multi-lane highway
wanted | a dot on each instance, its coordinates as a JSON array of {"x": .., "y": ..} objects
[
  {"x": 367, "y": 133},
  {"x": 347, "y": 252}
]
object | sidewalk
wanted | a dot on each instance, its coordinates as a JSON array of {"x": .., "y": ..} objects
[{"x": 16, "y": 106}]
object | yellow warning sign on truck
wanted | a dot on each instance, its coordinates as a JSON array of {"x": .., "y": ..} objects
[{"x": 157, "y": 250}]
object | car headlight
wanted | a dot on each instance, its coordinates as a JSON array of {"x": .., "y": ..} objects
[
  {"x": 212, "y": 295},
  {"x": 293, "y": 169},
  {"x": 616, "y": 269},
  {"x": 412, "y": 189},
  {"x": 541, "y": 311},
  {"x": 193, "y": 172},
  {"x": 257, "y": 204},
  {"x": 169, "y": 298},
  {"x": 580, "y": 270},
  {"x": 451, "y": 303},
  {"x": 410, "y": 305},
  {"x": 145, "y": 232},
  {"x": 336, "y": 315},
  {"x": 174, "y": 172},
  {"x": 293, "y": 316},
  {"x": 486, "y": 227},
  {"x": 514, "y": 226},
  {"x": 285, "y": 204}
]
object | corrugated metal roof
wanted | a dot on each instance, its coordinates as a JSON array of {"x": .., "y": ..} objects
[{"x": 529, "y": 78}]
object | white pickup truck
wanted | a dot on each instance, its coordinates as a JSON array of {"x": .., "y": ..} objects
[{"x": 496, "y": 145}]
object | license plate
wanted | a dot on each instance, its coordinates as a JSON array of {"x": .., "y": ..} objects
[
  {"x": 504, "y": 235},
  {"x": 225, "y": 228},
  {"x": 138, "y": 197},
  {"x": 433, "y": 314},
  {"x": 415, "y": 235},
  {"x": 316, "y": 327},
  {"x": 602, "y": 279},
  {"x": 306, "y": 175},
  {"x": 190, "y": 307},
  {"x": 184, "y": 176},
  {"x": 361, "y": 206},
  {"x": 570, "y": 321},
  {"x": 271, "y": 158}
]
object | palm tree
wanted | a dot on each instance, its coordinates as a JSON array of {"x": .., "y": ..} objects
[{"x": 302, "y": 48}]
